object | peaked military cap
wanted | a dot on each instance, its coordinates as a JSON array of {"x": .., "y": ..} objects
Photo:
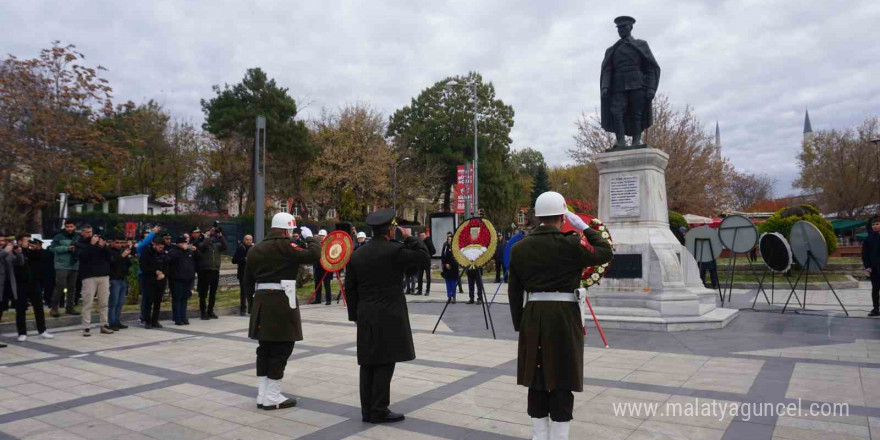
[
  {"x": 195, "y": 229},
  {"x": 624, "y": 20},
  {"x": 180, "y": 239},
  {"x": 381, "y": 217}
]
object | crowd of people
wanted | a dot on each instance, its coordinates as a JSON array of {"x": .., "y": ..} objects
[{"x": 86, "y": 264}]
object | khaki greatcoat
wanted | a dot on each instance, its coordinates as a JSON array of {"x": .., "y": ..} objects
[
  {"x": 274, "y": 259},
  {"x": 548, "y": 260}
]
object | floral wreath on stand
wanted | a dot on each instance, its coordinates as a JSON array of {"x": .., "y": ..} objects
[{"x": 591, "y": 275}]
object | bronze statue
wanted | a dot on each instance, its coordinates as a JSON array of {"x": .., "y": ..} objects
[{"x": 628, "y": 82}]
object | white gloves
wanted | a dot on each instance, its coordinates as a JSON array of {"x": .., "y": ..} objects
[
  {"x": 305, "y": 232},
  {"x": 577, "y": 222}
]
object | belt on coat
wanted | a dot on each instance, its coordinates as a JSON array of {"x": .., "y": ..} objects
[
  {"x": 552, "y": 296},
  {"x": 268, "y": 286}
]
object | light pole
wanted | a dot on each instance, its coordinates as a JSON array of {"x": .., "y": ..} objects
[
  {"x": 876, "y": 143},
  {"x": 394, "y": 186},
  {"x": 472, "y": 84}
]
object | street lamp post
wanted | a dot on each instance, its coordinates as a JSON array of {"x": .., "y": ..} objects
[
  {"x": 472, "y": 84},
  {"x": 876, "y": 143},
  {"x": 394, "y": 186}
]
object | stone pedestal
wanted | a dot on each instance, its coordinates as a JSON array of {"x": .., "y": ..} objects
[{"x": 654, "y": 282}]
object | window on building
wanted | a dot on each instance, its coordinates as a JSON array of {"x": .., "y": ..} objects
[
  {"x": 521, "y": 218},
  {"x": 283, "y": 206},
  {"x": 331, "y": 213}
]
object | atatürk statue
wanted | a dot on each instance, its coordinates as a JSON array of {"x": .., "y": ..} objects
[{"x": 629, "y": 79}]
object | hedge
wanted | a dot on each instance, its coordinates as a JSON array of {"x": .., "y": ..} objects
[{"x": 782, "y": 221}]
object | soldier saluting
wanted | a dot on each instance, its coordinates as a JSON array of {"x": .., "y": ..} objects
[
  {"x": 376, "y": 302},
  {"x": 545, "y": 271},
  {"x": 270, "y": 278}
]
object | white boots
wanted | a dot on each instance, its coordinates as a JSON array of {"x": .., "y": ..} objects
[
  {"x": 261, "y": 391},
  {"x": 558, "y": 431},
  {"x": 546, "y": 429},
  {"x": 272, "y": 397},
  {"x": 541, "y": 428}
]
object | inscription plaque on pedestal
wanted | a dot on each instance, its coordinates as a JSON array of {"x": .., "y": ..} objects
[
  {"x": 624, "y": 192},
  {"x": 625, "y": 266}
]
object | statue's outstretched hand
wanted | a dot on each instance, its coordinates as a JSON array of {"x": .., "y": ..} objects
[
  {"x": 649, "y": 94},
  {"x": 604, "y": 92}
]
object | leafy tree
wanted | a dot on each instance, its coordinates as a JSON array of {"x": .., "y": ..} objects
[
  {"x": 578, "y": 182},
  {"x": 437, "y": 127},
  {"x": 139, "y": 130},
  {"x": 224, "y": 171},
  {"x": 695, "y": 176},
  {"x": 48, "y": 109},
  {"x": 842, "y": 168},
  {"x": 231, "y": 115},
  {"x": 353, "y": 168},
  {"x": 531, "y": 163}
]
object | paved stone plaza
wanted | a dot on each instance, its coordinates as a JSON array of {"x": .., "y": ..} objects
[{"x": 197, "y": 382}]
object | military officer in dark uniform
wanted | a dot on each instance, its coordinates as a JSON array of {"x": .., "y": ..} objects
[
  {"x": 270, "y": 278},
  {"x": 376, "y": 302},
  {"x": 545, "y": 268},
  {"x": 628, "y": 82}
]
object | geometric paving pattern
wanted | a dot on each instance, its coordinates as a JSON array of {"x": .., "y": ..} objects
[{"x": 197, "y": 382}]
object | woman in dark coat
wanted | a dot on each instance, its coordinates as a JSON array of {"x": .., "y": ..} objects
[
  {"x": 871, "y": 262},
  {"x": 450, "y": 269}
]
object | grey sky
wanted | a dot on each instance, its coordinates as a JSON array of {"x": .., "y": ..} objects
[{"x": 752, "y": 65}]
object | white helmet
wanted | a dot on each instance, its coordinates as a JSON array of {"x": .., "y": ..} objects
[
  {"x": 362, "y": 235},
  {"x": 283, "y": 220},
  {"x": 322, "y": 233},
  {"x": 549, "y": 204}
]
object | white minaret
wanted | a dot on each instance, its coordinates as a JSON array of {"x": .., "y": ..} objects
[{"x": 717, "y": 140}]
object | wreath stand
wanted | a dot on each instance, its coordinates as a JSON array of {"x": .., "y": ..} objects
[
  {"x": 773, "y": 288},
  {"x": 806, "y": 273},
  {"x": 487, "y": 314},
  {"x": 320, "y": 285}
]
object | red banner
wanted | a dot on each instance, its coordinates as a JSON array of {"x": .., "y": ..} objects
[
  {"x": 130, "y": 229},
  {"x": 464, "y": 183}
]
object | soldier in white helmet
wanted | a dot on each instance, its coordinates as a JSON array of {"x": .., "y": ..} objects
[
  {"x": 545, "y": 271},
  {"x": 270, "y": 277}
]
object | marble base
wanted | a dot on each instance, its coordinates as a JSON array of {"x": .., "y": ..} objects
[
  {"x": 636, "y": 319},
  {"x": 669, "y": 295}
]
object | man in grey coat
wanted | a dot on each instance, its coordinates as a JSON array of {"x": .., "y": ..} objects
[{"x": 10, "y": 257}]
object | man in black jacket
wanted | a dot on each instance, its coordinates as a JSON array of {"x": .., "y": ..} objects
[
  {"x": 427, "y": 271},
  {"x": 154, "y": 267},
  {"x": 25, "y": 276},
  {"x": 871, "y": 262},
  {"x": 181, "y": 274},
  {"x": 94, "y": 269},
  {"x": 120, "y": 264},
  {"x": 44, "y": 272},
  {"x": 209, "y": 248},
  {"x": 376, "y": 302},
  {"x": 499, "y": 260},
  {"x": 240, "y": 259}
]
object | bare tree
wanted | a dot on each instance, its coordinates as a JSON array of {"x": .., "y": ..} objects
[
  {"x": 842, "y": 168},
  {"x": 745, "y": 189}
]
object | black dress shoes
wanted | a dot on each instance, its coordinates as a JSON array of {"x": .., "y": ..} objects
[{"x": 390, "y": 417}]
